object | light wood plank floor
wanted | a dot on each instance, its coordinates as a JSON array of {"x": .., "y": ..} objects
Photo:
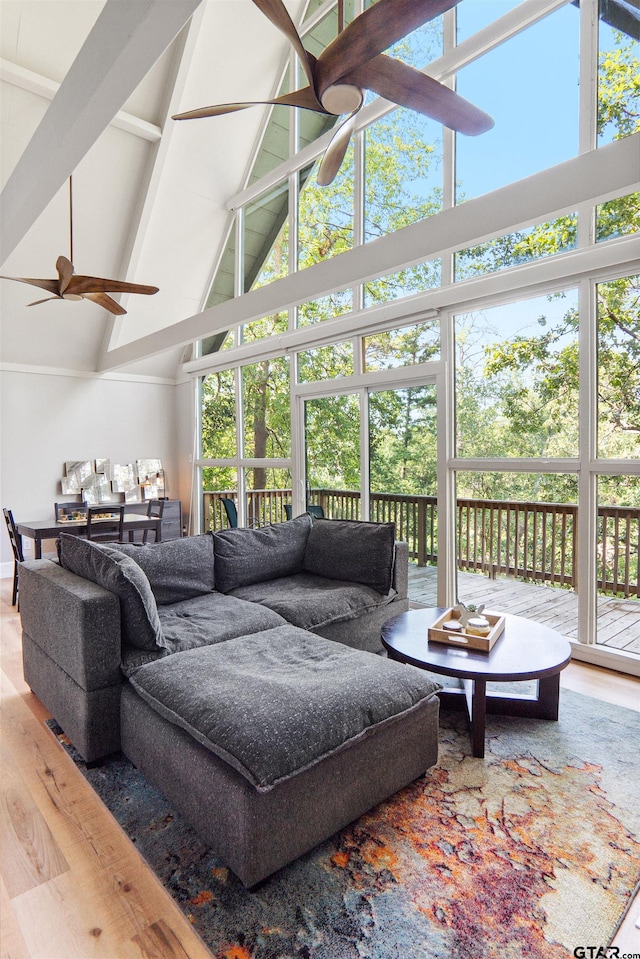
[{"x": 72, "y": 885}]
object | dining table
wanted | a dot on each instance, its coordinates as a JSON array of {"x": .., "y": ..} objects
[{"x": 42, "y": 529}]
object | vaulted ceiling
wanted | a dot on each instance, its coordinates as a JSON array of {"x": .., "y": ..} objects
[{"x": 88, "y": 88}]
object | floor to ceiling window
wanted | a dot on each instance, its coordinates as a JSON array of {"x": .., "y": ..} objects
[{"x": 530, "y": 333}]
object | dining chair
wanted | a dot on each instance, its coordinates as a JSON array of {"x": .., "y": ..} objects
[
  {"x": 65, "y": 510},
  {"x": 106, "y": 530},
  {"x": 230, "y": 510},
  {"x": 155, "y": 509},
  {"x": 232, "y": 513},
  {"x": 18, "y": 556}
]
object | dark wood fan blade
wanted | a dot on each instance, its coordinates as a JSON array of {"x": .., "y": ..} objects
[
  {"x": 372, "y": 32},
  {"x": 305, "y": 99},
  {"x": 51, "y": 286},
  {"x": 47, "y": 299},
  {"x": 106, "y": 302},
  {"x": 81, "y": 285},
  {"x": 276, "y": 11},
  {"x": 335, "y": 152},
  {"x": 402, "y": 84},
  {"x": 64, "y": 267}
]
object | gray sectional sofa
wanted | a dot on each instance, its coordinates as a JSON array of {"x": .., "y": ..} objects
[{"x": 235, "y": 670}]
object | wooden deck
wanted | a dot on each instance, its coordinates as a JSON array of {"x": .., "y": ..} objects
[{"x": 618, "y": 619}]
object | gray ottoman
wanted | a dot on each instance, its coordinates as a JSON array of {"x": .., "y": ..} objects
[{"x": 270, "y": 743}]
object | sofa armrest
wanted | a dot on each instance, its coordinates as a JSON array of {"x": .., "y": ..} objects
[
  {"x": 74, "y": 621},
  {"x": 400, "y": 580}
]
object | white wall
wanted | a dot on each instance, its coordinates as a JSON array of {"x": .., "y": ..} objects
[{"x": 49, "y": 419}]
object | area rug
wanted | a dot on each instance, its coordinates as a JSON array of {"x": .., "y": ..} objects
[{"x": 533, "y": 851}]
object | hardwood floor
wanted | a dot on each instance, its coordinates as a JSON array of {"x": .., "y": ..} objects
[{"x": 72, "y": 885}]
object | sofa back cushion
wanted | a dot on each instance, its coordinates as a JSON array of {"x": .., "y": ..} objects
[
  {"x": 177, "y": 569},
  {"x": 353, "y": 551},
  {"x": 119, "y": 574},
  {"x": 245, "y": 556}
]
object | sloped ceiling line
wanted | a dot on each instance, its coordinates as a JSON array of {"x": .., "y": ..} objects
[{"x": 155, "y": 169}]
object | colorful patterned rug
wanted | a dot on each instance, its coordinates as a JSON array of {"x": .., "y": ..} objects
[{"x": 531, "y": 852}]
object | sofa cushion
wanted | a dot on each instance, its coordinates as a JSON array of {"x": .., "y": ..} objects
[
  {"x": 202, "y": 621},
  {"x": 277, "y": 702},
  {"x": 353, "y": 551},
  {"x": 212, "y": 619},
  {"x": 314, "y": 601},
  {"x": 177, "y": 569},
  {"x": 110, "y": 568},
  {"x": 245, "y": 556}
]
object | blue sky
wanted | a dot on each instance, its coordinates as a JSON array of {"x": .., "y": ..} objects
[{"x": 529, "y": 86}]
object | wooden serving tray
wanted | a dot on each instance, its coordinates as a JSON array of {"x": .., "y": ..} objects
[{"x": 439, "y": 635}]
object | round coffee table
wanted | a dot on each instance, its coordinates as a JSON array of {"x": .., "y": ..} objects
[{"x": 525, "y": 650}]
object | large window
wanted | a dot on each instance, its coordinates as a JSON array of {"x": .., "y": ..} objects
[
  {"x": 325, "y": 216},
  {"x": 516, "y": 531},
  {"x": 517, "y": 378},
  {"x": 529, "y": 85},
  {"x": 618, "y": 70},
  {"x": 492, "y": 373},
  {"x": 619, "y": 368}
]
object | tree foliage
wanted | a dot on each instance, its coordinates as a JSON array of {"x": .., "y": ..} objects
[{"x": 517, "y": 395}]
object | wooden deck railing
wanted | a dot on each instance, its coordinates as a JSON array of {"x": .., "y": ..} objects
[{"x": 530, "y": 541}]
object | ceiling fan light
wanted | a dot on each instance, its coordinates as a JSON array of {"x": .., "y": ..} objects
[
  {"x": 71, "y": 296},
  {"x": 342, "y": 98}
]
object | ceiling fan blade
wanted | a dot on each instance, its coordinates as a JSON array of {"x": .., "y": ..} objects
[
  {"x": 276, "y": 11},
  {"x": 65, "y": 272},
  {"x": 376, "y": 29},
  {"x": 305, "y": 99},
  {"x": 400, "y": 83},
  {"x": 335, "y": 152},
  {"x": 51, "y": 286},
  {"x": 106, "y": 302},
  {"x": 82, "y": 285},
  {"x": 47, "y": 299}
]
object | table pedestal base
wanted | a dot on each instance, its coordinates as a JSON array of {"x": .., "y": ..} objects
[{"x": 478, "y": 702}]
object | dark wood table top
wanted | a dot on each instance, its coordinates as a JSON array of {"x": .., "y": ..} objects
[
  {"x": 525, "y": 650},
  {"x": 50, "y": 529}
]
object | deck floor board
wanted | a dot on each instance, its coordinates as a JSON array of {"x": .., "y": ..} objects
[{"x": 618, "y": 619}]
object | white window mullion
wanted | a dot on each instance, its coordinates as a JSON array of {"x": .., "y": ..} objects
[
  {"x": 587, "y": 479},
  {"x": 294, "y": 181},
  {"x": 365, "y": 471},
  {"x": 446, "y": 477},
  {"x": 196, "y": 511},
  {"x": 588, "y": 103},
  {"x": 588, "y": 106},
  {"x": 242, "y": 506},
  {"x": 448, "y": 150}
]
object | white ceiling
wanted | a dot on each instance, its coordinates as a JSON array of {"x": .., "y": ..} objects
[{"x": 149, "y": 194}]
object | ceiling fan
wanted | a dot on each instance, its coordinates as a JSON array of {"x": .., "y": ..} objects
[
  {"x": 73, "y": 286},
  {"x": 353, "y": 63}
]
